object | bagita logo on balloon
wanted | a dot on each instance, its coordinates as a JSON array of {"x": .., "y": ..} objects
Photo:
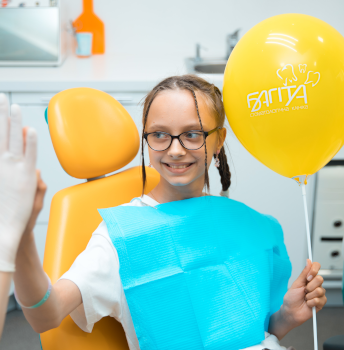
[{"x": 255, "y": 100}]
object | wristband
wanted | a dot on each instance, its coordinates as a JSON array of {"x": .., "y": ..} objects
[{"x": 46, "y": 296}]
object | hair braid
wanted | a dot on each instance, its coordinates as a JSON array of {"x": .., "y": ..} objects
[
  {"x": 206, "y": 175},
  {"x": 144, "y": 176},
  {"x": 224, "y": 170}
]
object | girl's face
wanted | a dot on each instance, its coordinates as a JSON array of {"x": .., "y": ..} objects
[{"x": 174, "y": 112}]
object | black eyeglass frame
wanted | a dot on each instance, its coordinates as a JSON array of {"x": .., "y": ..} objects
[{"x": 205, "y": 133}]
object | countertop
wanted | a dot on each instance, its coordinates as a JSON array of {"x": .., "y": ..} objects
[{"x": 109, "y": 72}]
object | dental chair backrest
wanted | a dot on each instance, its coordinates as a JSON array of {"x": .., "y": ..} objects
[{"x": 92, "y": 135}]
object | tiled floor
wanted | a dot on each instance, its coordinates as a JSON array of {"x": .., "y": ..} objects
[
  {"x": 330, "y": 323},
  {"x": 18, "y": 334}
]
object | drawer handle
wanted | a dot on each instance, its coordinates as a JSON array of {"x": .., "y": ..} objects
[
  {"x": 337, "y": 223},
  {"x": 123, "y": 99},
  {"x": 332, "y": 239},
  {"x": 335, "y": 253},
  {"x": 46, "y": 99}
]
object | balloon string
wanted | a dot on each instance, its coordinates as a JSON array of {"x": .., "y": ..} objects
[{"x": 315, "y": 332}]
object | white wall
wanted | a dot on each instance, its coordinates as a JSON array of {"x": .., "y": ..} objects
[{"x": 161, "y": 26}]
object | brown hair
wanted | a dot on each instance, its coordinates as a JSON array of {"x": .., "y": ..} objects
[{"x": 214, "y": 100}]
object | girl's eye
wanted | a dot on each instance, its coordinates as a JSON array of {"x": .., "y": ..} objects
[
  {"x": 193, "y": 135},
  {"x": 160, "y": 135}
]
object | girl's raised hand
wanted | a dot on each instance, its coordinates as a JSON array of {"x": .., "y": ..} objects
[
  {"x": 305, "y": 293},
  {"x": 37, "y": 204}
]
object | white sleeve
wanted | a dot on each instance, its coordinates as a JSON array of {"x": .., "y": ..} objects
[{"x": 96, "y": 273}]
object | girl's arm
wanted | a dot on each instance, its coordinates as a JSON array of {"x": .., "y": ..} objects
[
  {"x": 5, "y": 283},
  {"x": 31, "y": 282},
  {"x": 305, "y": 293}
]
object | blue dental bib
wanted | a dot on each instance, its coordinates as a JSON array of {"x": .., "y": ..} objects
[{"x": 201, "y": 273}]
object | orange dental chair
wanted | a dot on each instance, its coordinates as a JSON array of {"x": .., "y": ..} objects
[{"x": 92, "y": 135}]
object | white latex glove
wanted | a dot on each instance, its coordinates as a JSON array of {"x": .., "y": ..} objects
[
  {"x": 270, "y": 342},
  {"x": 18, "y": 181}
]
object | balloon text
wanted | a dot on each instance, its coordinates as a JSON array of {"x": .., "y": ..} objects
[{"x": 266, "y": 96}]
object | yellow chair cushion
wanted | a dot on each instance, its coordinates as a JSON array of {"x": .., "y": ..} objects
[{"x": 91, "y": 132}]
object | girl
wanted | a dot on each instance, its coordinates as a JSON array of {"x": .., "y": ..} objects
[{"x": 192, "y": 270}]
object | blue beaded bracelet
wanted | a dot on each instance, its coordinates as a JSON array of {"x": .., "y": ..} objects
[{"x": 46, "y": 296}]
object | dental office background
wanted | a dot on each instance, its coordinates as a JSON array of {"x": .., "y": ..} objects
[{"x": 146, "y": 41}]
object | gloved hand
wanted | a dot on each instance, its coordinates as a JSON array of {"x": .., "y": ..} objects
[{"x": 18, "y": 181}]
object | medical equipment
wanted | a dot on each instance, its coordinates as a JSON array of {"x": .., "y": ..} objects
[{"x": 33, "y": 36}]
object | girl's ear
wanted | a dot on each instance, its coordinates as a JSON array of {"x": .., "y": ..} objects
[{"x": 222, "y": 138}]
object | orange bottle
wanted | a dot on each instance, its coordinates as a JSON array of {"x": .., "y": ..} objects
[{"x": 89, "y": 22}]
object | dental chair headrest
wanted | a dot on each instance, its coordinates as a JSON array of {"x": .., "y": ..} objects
[{"x": 91, "y": 132}]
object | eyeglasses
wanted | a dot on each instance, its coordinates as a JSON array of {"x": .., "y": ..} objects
[{"x": 191, "y": 140}]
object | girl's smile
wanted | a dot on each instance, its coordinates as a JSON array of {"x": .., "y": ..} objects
[{"x": 178, "y": 168}]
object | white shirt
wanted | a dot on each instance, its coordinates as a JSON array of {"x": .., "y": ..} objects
[{"x": 96, "y": 273}]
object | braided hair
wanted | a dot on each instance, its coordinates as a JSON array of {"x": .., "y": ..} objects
[{"x": 213, "y": 98}]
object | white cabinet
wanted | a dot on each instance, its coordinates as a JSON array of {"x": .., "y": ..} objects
[
  {"x": 328, "y": 229},
  {"x": 32, "y": 98},
  {"x": 6, "y": 93}
]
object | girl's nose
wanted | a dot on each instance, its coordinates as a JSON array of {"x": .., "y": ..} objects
[{"x": 176, "y": 149}]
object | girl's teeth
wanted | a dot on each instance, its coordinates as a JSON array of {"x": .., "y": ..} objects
[{"x": 178, "y": 166}]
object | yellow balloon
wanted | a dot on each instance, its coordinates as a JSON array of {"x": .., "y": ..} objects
[{"x": 284, "y": 93}]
